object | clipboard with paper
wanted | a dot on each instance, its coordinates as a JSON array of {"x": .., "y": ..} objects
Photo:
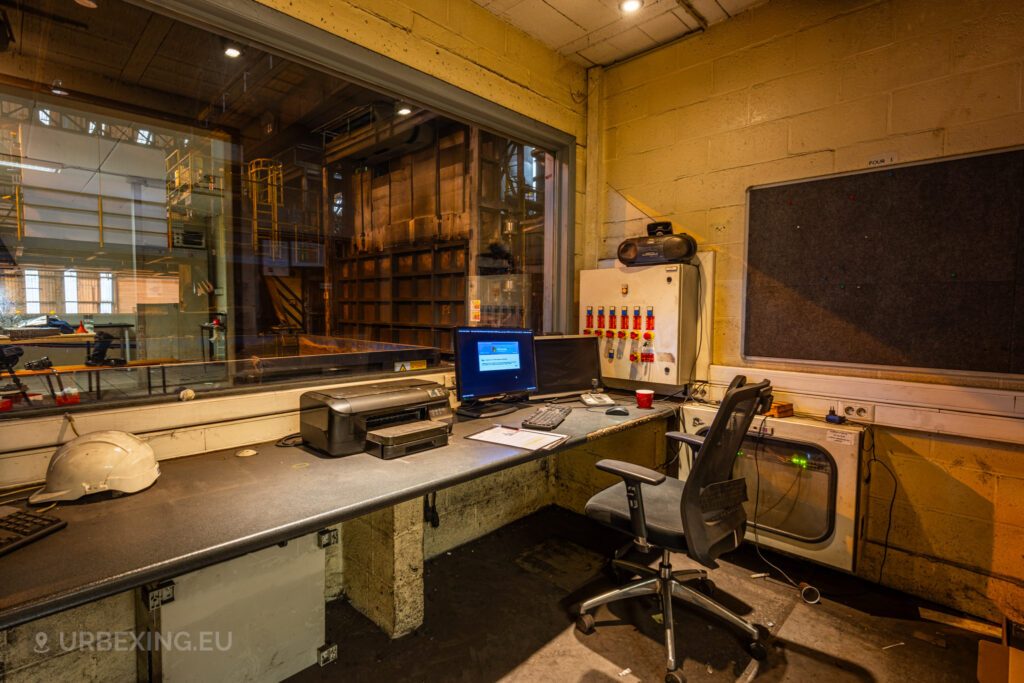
[{"x": 527, "y": 439}]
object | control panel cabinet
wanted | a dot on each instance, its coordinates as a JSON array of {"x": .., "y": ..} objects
[{"x": 646, "y": 318}]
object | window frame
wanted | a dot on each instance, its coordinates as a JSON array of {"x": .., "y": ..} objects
[{"x": 317, "y": 48}]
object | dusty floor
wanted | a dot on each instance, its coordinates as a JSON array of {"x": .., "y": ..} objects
[{"x": 496, "y": 610}]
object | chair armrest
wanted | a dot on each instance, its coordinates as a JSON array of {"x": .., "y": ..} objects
[
  {"x": 634, "y": 476},
  {"x": 631, "y": 472},
  {"x": 694, "y": 440}
]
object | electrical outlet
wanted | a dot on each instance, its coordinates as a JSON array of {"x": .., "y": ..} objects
[
  {"x": 327, "y": 654},
  {"x": 858, "y": 412},
  {"x": 326, "y": 537}
]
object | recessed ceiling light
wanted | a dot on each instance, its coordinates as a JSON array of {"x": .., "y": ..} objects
[
  {"x": 91, "y": 4},
  {"x": 232, "y": 51},
  {"x": 403, "y": 109},
  {"x": 630, "y": 5},
  {"x": 57, "y": 88}
]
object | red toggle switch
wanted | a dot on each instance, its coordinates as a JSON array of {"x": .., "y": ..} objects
[
  {"x": 590, "y": 318},
  {"x": 612, "y": 318},
  {"x": 600, "y": 317},
  {"x": 636, "y": 317},
  {"x": 650, "y": 317}
]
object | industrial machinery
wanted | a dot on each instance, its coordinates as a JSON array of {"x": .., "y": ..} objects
[{"x": 804, "y": 493}]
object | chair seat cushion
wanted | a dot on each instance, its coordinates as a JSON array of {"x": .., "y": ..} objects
[{"x": 662, "y": 510}]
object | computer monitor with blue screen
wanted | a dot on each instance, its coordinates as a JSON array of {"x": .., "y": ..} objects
[{"x": 492, "y": 362}]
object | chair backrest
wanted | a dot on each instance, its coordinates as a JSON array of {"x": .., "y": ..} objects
[{"x": 712, "y": 504}]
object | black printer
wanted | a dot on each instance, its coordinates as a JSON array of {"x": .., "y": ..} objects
[{"x": 364, "y": 417}]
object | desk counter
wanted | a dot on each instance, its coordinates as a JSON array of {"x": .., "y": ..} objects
[{"x": 210, "y": 508}]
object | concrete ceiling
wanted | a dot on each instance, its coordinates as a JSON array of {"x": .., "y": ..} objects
[{"x": 597, "y": 32}]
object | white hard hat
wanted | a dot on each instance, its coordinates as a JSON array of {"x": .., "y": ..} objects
[{"x": 98, "y": 461}]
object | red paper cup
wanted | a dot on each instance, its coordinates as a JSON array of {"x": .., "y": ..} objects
[{"x": 644, "y": 398}]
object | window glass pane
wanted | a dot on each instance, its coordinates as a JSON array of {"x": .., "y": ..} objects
[
  {"x": 106, "y": 287},
  {"x": 70, "y": 292},
  {"x": 247, "y": 219}
]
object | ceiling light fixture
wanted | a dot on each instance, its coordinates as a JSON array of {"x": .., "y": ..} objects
[
  {"x": 630, "y": 6},
  {"x": 57, "y": 87},
  {"x": 233, "y": 51},
  {"x": 29, "y": 167},
  {"x": 403, "y": 109},
  {"x": 91, "y": 4}
]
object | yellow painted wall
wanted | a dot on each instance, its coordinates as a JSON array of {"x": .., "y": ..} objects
[
  {"x": 799, "y": 88},
  {"x": 957, "y": 532}
]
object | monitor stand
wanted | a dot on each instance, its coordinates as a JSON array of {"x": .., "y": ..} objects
[{"x": 478, "y": 409}]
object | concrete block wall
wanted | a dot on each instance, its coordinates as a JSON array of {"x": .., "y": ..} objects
[
  {"x": 476, "y": 508},
  {"x": 794, "y": 89},
  {"x": 77, "y": 644},
  {"x": 382, "y": 570},
  {"x": 799, "y": 88},
  {"x": 957, "y": 534}
]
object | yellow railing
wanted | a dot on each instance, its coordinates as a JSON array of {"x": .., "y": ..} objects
[{"x": 103, "y": 216}]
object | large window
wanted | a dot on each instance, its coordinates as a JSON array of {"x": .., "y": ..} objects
[{"x": 236, "y": 217}]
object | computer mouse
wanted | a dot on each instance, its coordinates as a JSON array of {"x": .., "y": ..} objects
[{"x": 616, "y": 410}]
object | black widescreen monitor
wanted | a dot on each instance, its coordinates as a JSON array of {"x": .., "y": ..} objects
[
  {"x": 566, "y": 364},
  {"x": 493, "y": 361}
]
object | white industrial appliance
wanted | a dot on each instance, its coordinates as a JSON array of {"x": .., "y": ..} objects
[
  {"x": 258, "y": 617},
  {"x": 805, "y": 477},
  {"x": 648, "y": 320}
]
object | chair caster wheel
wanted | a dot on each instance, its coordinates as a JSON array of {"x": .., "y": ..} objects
[
  {"x": 674, "y": 677},
  {"x": 585, "y": 623},
  {"x": 758, "y": 651},
  {"x": 706, "y": 586}
]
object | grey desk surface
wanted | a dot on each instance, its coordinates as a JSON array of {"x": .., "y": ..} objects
[{"x": 213, "y": 507}]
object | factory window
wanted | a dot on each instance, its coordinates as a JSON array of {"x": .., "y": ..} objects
[
  {"x": 70, "y": 292},
  {"x": 244, "y": 219},
  {"x": 106, "y": 293},
  {"x": 32, "y": 291}
]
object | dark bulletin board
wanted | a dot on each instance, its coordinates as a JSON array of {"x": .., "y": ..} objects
[{"x": 918, "y": 266}]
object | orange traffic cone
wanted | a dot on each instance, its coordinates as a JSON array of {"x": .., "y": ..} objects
[{"x": 81, "y": 328}]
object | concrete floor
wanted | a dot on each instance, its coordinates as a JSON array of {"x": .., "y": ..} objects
[{"x": 496, "y": 610}]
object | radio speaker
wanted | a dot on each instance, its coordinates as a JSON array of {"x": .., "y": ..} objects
[{"x": 646, "y": 251}]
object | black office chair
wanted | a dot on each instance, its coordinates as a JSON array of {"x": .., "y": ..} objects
[{"x": 702, "y": 516}]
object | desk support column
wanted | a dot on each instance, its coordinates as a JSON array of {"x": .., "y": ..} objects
[{"x": 382, "y": 570}]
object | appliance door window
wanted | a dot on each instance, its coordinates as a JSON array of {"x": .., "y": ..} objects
[{"x": 793, "y": 485}]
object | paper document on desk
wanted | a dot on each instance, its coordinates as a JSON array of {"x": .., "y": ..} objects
[{"x": 519, "y": 438}]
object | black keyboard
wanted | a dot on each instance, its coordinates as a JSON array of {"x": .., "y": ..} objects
[
  {"x": 547, "y": 417},
  {"x": 19, "y": 527}
]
